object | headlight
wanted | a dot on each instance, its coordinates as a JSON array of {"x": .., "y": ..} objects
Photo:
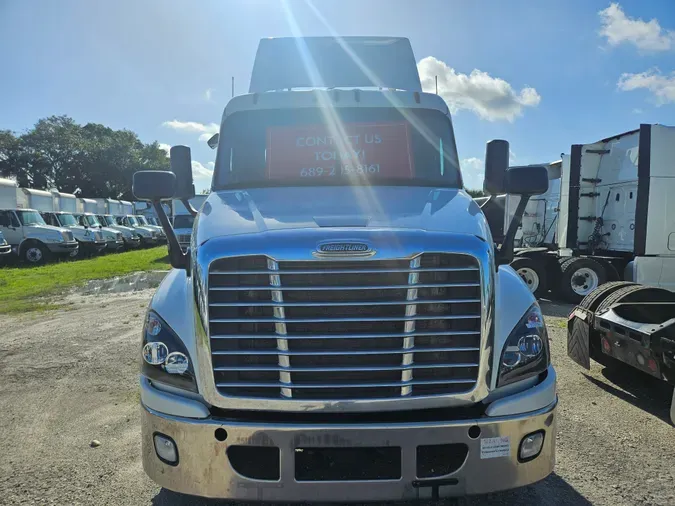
[
  {"x": 64, "y": 237},
  {"x": 87, "y": 232},
  {"x": 119, "y": 236},
  {"x": 164, "y": 356},
  {"x": 526, "y": 351}
]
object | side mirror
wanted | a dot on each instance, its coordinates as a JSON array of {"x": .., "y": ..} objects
[
  {"x": 213, "y": 141},
  {"x": 181, "y": 166},
  {"x": 496, "y": 165},
  {"x": 154, "y": 185},
  {"x": 526, "y": 180}
]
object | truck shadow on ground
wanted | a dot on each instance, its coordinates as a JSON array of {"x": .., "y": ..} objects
[
  {"x": 555, "y": 308},
  {"x": 552, "y": 491},
  {"x": 637, "y": 388}
]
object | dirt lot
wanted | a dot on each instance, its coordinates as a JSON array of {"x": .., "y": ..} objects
[{"x": 70, "y": 377}]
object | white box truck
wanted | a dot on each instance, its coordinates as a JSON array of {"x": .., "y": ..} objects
[
  {"x": 26, "y": 232},
  {"x": 59, "y": 209},
  {"x": 343, "y": 328},
  {"x": 106, "y": 209},
  {"x": 86, "y": 216}
]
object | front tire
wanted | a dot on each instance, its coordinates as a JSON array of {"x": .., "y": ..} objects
[
  {"x": 35, "y": 254},
  {"x": 533, "y": 274},
  {"x": 579, "y": 277}
]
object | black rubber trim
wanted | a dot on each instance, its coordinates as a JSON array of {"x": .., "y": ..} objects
[
  {"x": 642, "y": 202},
  {"x": 573, "y": 200}
]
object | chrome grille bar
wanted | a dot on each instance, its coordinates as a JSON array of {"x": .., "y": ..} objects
[
  {"x": 348, "y": 385},
  {"x": 354, "y": 287},
  {"x": 348, "y": 336},
  {"x": 351, "y": 271},
  {"x": 396, "y": 351},
  {"x": 364, "y": 319},
  {"x": 280, "y": 329},
  {"x": 409, "y": 327},
  {"x": 340, "y": 369},
  {"x": 341, "y": 303}
]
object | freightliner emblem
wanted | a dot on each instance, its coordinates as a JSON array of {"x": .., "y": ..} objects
[{"x": 343, "y": 247}]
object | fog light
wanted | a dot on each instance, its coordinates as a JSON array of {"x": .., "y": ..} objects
[
  {"x": 530, "y": 446},
  {"x": 166, "y": 449}
]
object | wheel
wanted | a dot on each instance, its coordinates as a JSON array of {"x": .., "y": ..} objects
[
  {"x": 595, "y": 298},
  {"x": 34, "y": 253},
  {"x": 579, "y": 277},
  {"x": 533, "y": 273}
]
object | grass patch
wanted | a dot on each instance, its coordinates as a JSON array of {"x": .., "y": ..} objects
[{"x": 21, "y": 287}]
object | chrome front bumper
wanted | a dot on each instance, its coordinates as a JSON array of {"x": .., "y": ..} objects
[{"x": 204, "y": 468}]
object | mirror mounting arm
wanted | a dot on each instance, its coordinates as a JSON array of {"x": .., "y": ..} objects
[
  {"x": 178, "y": 259},
  {"x": 505, "y": 252},
  {"x": 189, "y": 207}
]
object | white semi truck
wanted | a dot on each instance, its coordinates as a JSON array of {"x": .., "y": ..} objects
[
  {"x": 343, "y": 327},
  {"x": 183, "y": 219},
  {"x": 26, "y": 232},
  {"x": 616, "y": 217}
]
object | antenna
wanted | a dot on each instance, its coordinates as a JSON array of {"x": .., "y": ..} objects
[
  {"x": 233, "y": 86},
  {"x": 436, "y": 85}
]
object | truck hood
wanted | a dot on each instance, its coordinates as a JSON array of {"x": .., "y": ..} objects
[
  {"x": 267, "y": 209},
  {"x": 44, "y": 231}
]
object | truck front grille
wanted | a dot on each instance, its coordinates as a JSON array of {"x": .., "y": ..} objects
[{"x": 331, "y": 330}]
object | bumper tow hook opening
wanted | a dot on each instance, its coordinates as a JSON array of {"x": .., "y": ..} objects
[
  {"x": 221, "y": 434},
  {"x": 474, "y": 432}
]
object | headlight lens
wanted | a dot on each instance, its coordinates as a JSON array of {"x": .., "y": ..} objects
[
  {"x": 64, "y": 237},
  {"x": 164, "y": 356},
  {"x": 526, "y": 351}
]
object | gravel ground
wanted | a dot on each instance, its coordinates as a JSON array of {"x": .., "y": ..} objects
[{"x": 70, "y": 377}]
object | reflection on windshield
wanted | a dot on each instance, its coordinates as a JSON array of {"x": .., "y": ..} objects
[
  {"x": 67, "y": 220},
  {"x": 30, "y": 218},
  {"x": 141, "y": 220},
  {"x": 93, "y": 222},
  {"x": 183, "y": 221},
  {"x": 132, "y": 221},
  {"x": 103, "y": 220}
]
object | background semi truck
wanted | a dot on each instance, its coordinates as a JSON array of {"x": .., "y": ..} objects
[
  {"x": 183, "y": 220},
  {"x": 343, "y": 327},
  {"x": 616, "y": 217},
  {"x": 25, "y": 230}
]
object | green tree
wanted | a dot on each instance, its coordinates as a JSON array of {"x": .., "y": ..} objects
[{"x": 59, "y": 153}]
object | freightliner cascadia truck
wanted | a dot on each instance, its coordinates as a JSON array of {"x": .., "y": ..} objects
[{"x": 342, "y": 326}]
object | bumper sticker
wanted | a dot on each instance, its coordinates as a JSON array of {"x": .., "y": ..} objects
[{"x": 491, "y": 447}]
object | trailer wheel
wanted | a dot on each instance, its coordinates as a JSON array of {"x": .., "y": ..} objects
[
  {"x": 533, "y": 273},
  {"x": 580, "y": 276}
]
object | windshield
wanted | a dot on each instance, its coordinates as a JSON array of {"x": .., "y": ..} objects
[
  {"x": 183, "y": 221},
  {"x": 141, "y": 220},
  {"x": 103, "y": 220},
  {"x": 132, "y": 221},
  {"x": 369, "y": 146},
  {"x": 152, "y": 220},
  {"x": 30, "y": 218},
  {"x": 67, "y": 220},
  {"x": 91, "y": 220}
]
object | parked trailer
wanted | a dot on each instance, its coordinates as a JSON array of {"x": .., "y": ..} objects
[
  {"x": 633, "y": 324},
  {"x": 616, "y": 219}
]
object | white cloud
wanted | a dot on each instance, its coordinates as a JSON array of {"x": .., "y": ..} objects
[
  {"x": 199, "y": 171},
  {"x": 191, "y": 126},
  {"x": 208, "y": 94},
  {"x": 646, "y": 35},
  {"x": 473, "y": 173},
  {"x": 489, "y": 97},
  {"x": 637, "y": 110},
  {"x": 662, "y": 87},
  {"x": 165, "y": 147}
]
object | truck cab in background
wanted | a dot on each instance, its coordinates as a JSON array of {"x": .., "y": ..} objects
[
  {"x": 149, "y": 237},
  {"x": 143, "y": 221},
  {"x": 130, "y": 237},
  {"x": 26, "y": 232},
  {"x": 86, "y": 217},
  {"x": 342, "y": 327},
  {"x": 183, "y": 219}
]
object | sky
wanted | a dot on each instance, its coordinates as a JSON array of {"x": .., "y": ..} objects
[{"x": 543, "y": 75}]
